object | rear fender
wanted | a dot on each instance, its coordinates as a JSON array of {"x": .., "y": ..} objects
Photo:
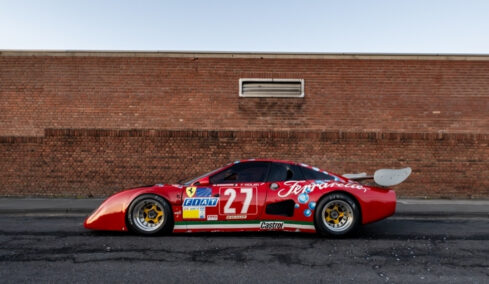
[{"x": 374, "y": 203}]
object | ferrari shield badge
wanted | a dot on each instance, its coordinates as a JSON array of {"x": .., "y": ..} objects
[{"x": 191, "y": 191}]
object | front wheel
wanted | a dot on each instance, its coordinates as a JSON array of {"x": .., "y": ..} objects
[
  {"x": 150, "y": 215},
  {"x": 337, "y": 214}
]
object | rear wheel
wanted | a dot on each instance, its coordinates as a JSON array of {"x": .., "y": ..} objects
[
  {"x": 337, "y": 214},
  {"x": 150, "y": 215}
]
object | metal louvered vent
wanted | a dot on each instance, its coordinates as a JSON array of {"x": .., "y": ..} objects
[{"x": 282, "y": 88}]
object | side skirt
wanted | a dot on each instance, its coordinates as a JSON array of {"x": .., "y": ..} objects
[{"x": 240, "y": 226}]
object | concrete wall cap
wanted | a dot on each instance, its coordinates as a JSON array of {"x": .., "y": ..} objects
[{"x": 251, "y": 55}]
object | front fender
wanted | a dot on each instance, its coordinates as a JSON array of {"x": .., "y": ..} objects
[{"x": 111, "y": 214}]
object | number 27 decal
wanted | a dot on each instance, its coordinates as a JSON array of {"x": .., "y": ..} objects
[{"x": 230, "y": 207}]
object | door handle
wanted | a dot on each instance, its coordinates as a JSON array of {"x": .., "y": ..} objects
[
  {"x": 216, "y": 195},
  {"x": 273, "y": 186}
]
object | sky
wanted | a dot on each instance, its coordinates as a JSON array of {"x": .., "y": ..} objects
[{"x": 368, "y": 26}]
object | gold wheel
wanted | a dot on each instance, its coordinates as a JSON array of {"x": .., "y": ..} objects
[
  {"x": 148, "y": 215},
  {"x": 152, "y": 213},
  {"x": 337, "y": 215}
]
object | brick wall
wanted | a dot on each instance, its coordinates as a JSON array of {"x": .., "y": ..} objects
[
  {"x": 81, "y": 124},
  {"x": 393, "y": 95},
  {"x": 96, "y": 162}
]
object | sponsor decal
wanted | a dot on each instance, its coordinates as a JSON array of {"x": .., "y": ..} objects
[
  {"x": 194, "y": 208},
  {"x": 227, "y": 184},
  {"x": 194, "y": 213},
  {"x": 253, "y": 184},
  {"x": 211, "y": 217},
  {"x": 236, "y": 217},
  {"x": 177, "y": 212},
  {"x": 271, "y": 225},
  {"x": 203, "y": 192},
  {"x": 200, "y": 202},
  {"x": 190, "y": 190},
  {"x": 298, "y": 187}
]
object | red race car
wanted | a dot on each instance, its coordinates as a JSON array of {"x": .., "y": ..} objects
[{"x": 253, "y": 195}]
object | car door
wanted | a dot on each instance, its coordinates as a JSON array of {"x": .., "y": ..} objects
[
  {"x": 241, "y": 190},
  {"x": 284, "y": 183},
  {"x": 288, "y": 189}
]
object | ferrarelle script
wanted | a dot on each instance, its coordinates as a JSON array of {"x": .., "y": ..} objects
[{"x": 297, "y": 187}]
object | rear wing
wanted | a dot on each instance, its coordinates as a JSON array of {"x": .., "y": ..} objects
[{"x": 383, "y": 177}]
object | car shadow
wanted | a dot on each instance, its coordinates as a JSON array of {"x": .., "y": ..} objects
[{"x": 361, "y": 233}]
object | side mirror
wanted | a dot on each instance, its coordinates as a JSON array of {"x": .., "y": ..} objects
[{"x": 203, "y": 181}]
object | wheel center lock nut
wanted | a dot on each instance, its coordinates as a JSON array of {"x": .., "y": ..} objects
[{"x": 334, "y": 214}]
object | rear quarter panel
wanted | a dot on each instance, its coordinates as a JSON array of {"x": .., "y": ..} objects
[{"x": 374, "y": 203}]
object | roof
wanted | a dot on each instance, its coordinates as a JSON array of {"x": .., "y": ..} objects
[{"x": 256, "y": 55}]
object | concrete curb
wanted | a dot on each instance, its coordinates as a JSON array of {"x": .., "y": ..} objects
[
  {"x": 48, "y": 205},
  {"x": 405, "y": 207},
  {"x": 442, "y": 208}
]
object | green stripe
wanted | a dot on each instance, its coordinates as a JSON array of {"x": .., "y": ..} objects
[
  {"x": 239, "y": 222},
  {"x": 299, "y": 222}
]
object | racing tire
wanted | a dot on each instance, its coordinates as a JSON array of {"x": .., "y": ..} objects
[
  {"x": 150, "y": 214},
  {"x": 337, "y": 215}
]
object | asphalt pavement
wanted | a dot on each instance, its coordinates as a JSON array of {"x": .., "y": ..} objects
[
  {"x": 55, "y": 248},
  {"x": 426, "y": 241}
]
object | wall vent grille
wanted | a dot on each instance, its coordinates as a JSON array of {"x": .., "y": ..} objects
[{"x": 283, "y": 88}]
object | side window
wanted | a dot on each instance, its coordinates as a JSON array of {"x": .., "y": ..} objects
[
  {"x": 283, "y": 172},
  {"x": 242, "y": 172},
  {"x": 312, "y": 174}
]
